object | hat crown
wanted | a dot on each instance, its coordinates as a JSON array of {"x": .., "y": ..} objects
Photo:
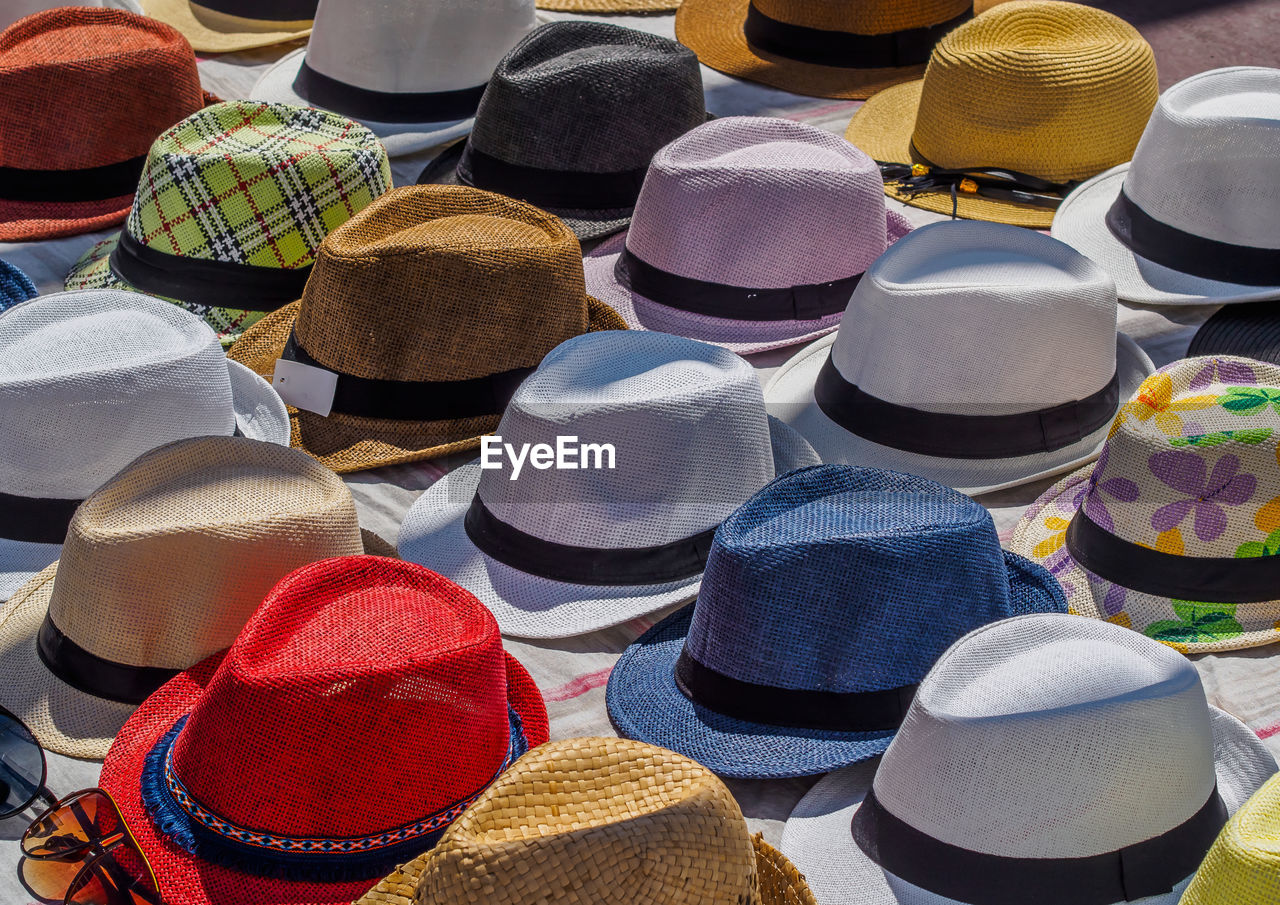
[
  {"x": 54, "y": 60},
  {"x": 845, "y": 564},
  {"x": 909, "y": 331},
  {"x": 1209, "y": 160},
  {"x": 610, "y": 96},
  {"x": 699, "y": 212},
  {"x": 237, "y": 514},
  {"x": 1058, "y": 90},
  {"x": 869, "y": 17},
  {"x": 413, "y": 46},
  {"x": 267, "y": 182},
  {"x": 395, "y": 287},
  {"x": 90, "y": 380},
  {"x": 646, "y": 394},
  {"x": 342, "y": 656},
  {"x": 1051, "y": 736},
  {"x": 605, "y": 821},
  {"x": 1191, "y": 465},
  {"x": 1243, "y": 866}
]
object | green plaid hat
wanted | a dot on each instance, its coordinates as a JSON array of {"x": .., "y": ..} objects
[{"x": 231, "y": 207}]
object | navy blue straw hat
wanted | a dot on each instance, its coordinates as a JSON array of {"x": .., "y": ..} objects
[
  {"x": 15, "y": 286},
  {"x": 826, "y": 599}
]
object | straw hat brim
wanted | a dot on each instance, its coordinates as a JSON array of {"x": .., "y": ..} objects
[
  {"x": 645, "y": 703},
  {"x": 212, "y": 32},
  {"x": 1095, "y": 597},
  {"x": 26, "y": 221},
  {"x": 347, "y": 443},
  {"x": 610, "y": 6},
  {"x": 789, "y": 394},
  {"x": 184, "y": 878},
  {"x": 1081, "y": 222},
  {"x": 64, "y": 719},
  {"x": 276, "y": 86},
  {"x": 529, "y": 606},
  {"x": 883, "y": 126},
  {"x": 742, "y": 336},
  {"x": 819, "y": 842}
]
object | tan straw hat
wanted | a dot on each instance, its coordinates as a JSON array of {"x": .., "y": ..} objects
[
  {"x": 221, "y": 26},
  {"x": 599, "y": 821},
  {"x": 610, "y": 6},
  {"x": 424, "y": 312},
  {"x": 161, "y": 567},
  {"x": 1047, "y": 93}
]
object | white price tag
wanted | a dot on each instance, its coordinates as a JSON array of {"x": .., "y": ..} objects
[{"x": 304, "y": 386}]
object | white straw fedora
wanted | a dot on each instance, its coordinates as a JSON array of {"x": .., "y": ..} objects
[
  {"x": 89, "y": 381},
  {"x": 557, "y": 551},
  {"x": 1045, "y": 760},
  {"x": 413, "y": 71},
  {"x": 1193, "y": 219},
  {"x": 978, "y": 355}
]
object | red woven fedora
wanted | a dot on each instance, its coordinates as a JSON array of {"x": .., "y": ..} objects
[
  {"x": 365, "y": 704},
  {"x": 83, "y": 93}
]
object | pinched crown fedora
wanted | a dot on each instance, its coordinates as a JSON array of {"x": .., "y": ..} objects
[
  {"x": 162, "y": 566},
  {"x": 221, "y": 26},
  {"x": 825, "y": 48},
  {"x": 233, "y": 203},
  {"x": 571, "y": 118},
  {"x": 1193, "y": 219},
  {"x": 425, "y": 311},
  {"x": 1047, "y": 759},
  {"x": 413, "y": 72},
  {"x": 699, "y": 259},
  {"x": 1172, "y": 532},
  {"x": 555, "y": 552},
  {"x": 1015, "y": 108},
  {"x": 979, "y": 355},
  {"x": 826, "y": 599},
  {"x": 1243, "y": 866},
  {"x": 51, "y": 65},
  {"x": 363, "y": 707},
  {"x": 599, "y": 821},
  {"x": 88, "y": 382}
]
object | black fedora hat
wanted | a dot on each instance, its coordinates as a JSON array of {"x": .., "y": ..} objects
[{"x": 1251, "y": 330}]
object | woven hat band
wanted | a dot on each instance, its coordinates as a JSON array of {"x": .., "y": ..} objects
[
  {"x": 1149, "y": 868},
  {"x": 274, "y": 11},
  {"x": 1139, "y": 568},
  {"x": 35, "y": 520},
  {"x": 859, "y": 711},
  {"x": 87, "y": 672},
  {"x": 1188, "y": 253},
  {"x": 415, "y": 400},
  {"x": 570, "y": 189},
  {"x": 386, "y": 106},
  {"x": 113, "y": 180},
  {"x": 200, "y": 281},
  {"x": 811, "y": 302},
  {"x": 615, "y": 567},
  {"x": 961, "y": 436},
  {"x": 910, "y": 47}
]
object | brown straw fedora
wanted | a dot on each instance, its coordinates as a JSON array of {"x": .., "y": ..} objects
[
  {"x": 162, "y": 566},
  {"x": 1045, "y": 93},
  {"x": 599, "y": 821},
  {"x": 424, "y": 312},
  {"x": 823, "y": 48}
]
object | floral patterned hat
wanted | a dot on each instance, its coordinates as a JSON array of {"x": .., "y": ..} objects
[{"x": 1173, "y": 531}]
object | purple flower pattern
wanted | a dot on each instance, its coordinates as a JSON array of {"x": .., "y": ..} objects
[
  {"x": 1206, "y": 492},
  {"x": 1091, "y": 493},
  {"x": 1236, "y": 372}
]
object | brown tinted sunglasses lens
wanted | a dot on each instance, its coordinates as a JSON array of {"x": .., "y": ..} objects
[
  {"x": 48, "y": 881},
  {"x": 116, "y": 877},
  {"x": 66, "y": 829}
]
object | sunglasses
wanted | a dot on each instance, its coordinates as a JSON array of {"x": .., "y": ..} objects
[{"x": 79, "y": 850}]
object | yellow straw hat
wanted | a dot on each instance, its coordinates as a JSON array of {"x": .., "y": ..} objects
[
  {"x": 1243, "y": 866},
  {"x": 221, "y": 26},
  {"x": 1054, "y": 92},
  {"x": 599, "y": 821}
]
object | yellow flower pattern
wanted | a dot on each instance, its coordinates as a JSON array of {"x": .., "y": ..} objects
[
  {"x": 1054, "y": 542},
  {"x": 1155, "y": 400}
]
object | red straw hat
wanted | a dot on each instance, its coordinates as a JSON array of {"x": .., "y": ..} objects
[
  {"x": 361, "y": 709},
  {"x": 83, "y": 93}
]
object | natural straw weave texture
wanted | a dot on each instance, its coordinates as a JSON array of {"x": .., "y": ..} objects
[
  {"x": 1243, "y": 866},
  {"x": 1057, "y": 90},
  {"x": 56, "y": 69},
  {"x": 429, "y": 283},
  {"x": 599, "y": 821},
  {"x": 610, "y": 6},
  {"x": 212, "y": 31},
  {"x": 15, "y": 286}
]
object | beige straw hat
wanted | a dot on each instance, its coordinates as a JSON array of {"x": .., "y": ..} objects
[
  {"x": 1054, "y": 91},
  {"x": 161, "y": 567},
  {"x": 222, "y": 26},
  {"x": 610, "y": 6},
  {"x": 599, "y": 821}
]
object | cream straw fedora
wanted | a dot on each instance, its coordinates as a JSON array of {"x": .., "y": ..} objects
[{"x": 223, "y": 26}]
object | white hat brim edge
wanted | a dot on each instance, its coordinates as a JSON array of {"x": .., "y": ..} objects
[
  {"x": 259, "y": 411},
  {"x": 819, "y": 841}
]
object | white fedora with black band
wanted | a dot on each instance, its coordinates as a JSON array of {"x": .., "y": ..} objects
[{"x": 1194, "y": 219}]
